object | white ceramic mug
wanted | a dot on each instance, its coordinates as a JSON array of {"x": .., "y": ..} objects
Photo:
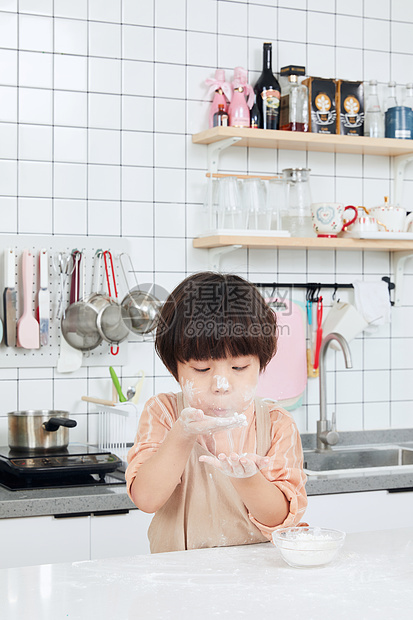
[
  {"x": 328, "y": 218},
  {"x": 366, "y": 223},
  {"x": 395, "y": 219}
]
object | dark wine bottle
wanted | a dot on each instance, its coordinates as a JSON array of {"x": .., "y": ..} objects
[
  {"x": 255, "y": 116},
  {"x": 268, "y": 92}
]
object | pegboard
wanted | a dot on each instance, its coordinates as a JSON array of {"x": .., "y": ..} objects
[{"x": 47, "y": 356}]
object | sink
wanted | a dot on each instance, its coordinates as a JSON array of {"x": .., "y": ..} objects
[{"x": 360, "y": 458}]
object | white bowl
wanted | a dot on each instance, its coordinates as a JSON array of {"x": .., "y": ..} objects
[{"x": 306, "y": 547}]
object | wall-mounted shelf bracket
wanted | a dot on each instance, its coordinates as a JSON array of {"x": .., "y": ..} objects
[
  {"x": 399, "y": 259},
  {"x": 215, "y": 254},
  {"x": 214, "y": 150},
  {"x": 400, "y": 163}
]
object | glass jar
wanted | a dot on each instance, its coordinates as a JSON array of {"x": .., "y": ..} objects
[{"x": 296, "y": 215}]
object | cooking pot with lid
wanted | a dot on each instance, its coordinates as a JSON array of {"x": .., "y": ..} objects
[{"x": 41, "y": 430}]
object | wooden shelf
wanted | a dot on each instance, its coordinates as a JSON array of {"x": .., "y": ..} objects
[
  {"x": 304, "y": 243},
  {"x": 297, "y": 141},
  {"x": 220, "y": 138}
]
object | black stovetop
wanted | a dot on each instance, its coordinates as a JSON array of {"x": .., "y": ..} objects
[
  {"x": 77, "y": 465},
  {"x": 73, "y": 449}
]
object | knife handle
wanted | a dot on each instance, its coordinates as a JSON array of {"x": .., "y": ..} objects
[
  {"x": 9, "y": 268},
  {"x": 43, "y": 269}
]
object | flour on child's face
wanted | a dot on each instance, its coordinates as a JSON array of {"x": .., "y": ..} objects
[
  {"x": 189, "y": 391},
  {"x": 249, "y": 395},
  {"x": 220, "y": 387},
  {"x": 222, "y": 382}
]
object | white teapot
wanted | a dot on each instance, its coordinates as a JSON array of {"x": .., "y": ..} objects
[{"x": 394, "y": 218}]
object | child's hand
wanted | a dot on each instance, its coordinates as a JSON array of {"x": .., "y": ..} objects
[
  {"x": 195, "y": 422},
  {"x": 237, "y": 465}
]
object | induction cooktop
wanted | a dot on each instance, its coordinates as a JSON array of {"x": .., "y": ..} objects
[{"x": 76, "y": 465}]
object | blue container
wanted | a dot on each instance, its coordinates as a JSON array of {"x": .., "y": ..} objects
[{"x": 399, "y": 123}]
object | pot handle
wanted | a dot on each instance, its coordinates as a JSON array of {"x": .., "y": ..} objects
[{"x": 53, "y": 424}]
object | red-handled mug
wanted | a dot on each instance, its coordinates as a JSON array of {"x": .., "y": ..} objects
[{"x": 328, "y": 218}]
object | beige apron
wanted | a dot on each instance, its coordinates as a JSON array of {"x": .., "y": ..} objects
[{"x": 205, "y": 510}]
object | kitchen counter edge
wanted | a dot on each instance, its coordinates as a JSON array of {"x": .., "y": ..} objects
[{"x": 97, "y": 500}]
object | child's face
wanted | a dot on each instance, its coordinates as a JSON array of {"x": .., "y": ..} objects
[{"x": 220, "y": 387}]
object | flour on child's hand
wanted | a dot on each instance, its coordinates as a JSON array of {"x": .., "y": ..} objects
[
  {"x": 237, "y": 419},
  {"x": 241, "y": 418}
]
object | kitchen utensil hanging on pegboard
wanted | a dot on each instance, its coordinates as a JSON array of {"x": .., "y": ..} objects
[{"x": 46, "y": 355}]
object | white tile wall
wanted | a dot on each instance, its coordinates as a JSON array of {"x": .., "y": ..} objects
[{"x": 98, "y": 101}]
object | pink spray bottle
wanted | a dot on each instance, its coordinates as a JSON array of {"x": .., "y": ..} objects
[{"x": 222, "y": 93}]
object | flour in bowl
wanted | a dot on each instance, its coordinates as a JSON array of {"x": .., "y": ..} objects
[{"x": 308, "y": 546}]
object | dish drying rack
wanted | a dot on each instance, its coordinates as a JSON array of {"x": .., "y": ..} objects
[
  {"x": 117, "y": 426},
  {"x": 117, "y": 422}
]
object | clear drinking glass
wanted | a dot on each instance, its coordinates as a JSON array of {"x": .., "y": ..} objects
[
  {"x": 230, "y": 212},
  {"x": 275, "y": 201},
  {"x": 257, "y": 216}
]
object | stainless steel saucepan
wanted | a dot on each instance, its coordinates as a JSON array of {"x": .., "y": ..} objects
[{"x": 41, "y": 430}]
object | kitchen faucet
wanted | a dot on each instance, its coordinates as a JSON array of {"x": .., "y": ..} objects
[{"x": 327, "y": 434}]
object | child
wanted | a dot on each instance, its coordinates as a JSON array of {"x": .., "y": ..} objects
[{"x": 217, "y": 467}]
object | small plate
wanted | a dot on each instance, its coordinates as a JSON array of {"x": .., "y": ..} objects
[{"x": 378, "y": 235}]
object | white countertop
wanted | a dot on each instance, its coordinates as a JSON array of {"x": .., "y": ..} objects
[{"x": 371, "y": 579}]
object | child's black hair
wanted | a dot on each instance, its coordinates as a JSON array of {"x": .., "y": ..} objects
[{"x": 214, "y": 315}]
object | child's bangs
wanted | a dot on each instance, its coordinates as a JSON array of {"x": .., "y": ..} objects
[{"x": 218, "y": 338}]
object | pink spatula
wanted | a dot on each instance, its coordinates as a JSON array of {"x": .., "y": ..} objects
[{"x": 27, "y": 327}]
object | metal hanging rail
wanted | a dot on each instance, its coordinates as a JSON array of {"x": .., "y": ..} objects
[{"x": 316, "y": 286}]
